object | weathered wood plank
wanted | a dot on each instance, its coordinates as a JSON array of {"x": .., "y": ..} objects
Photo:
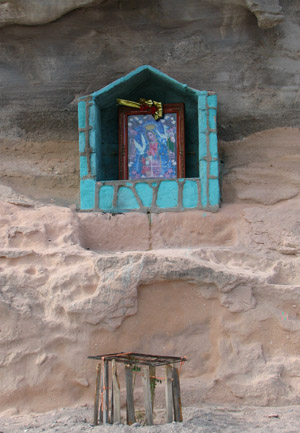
[
  {"x": 97, "y": 395},
  {"x": 169, "y": 394},
  {"x": 105, "y": 394},
  {"x": 147, "y": 396},
  {"x": 116, "y": 394},
  {"x": 112, "y": 403},
  {"x": 152, "y": 372},
  {"x": 129, "y": 395},
  {"x": 101, "y": 397},
  {"x": 176, "y": 395}
]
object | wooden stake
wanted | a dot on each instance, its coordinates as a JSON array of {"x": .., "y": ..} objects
[
  {"x": 116, "y": 394},
  {"x": 152, "y": 372},
  {"x": 169, "y": 393},
  {"x": 129, "y": 395},
  {"x": 105, "y": 394},
  {"x": 176, "y": 395},
  {"x": 147, "y": 396},
  {"x": 112, "y": 403},
  {"x": 101, "y": 394},
  {"x": 97, "y": 393}
]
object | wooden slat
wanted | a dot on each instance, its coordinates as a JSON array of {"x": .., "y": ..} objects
[
  {"x": 101, "y": 400},
  {"x": 152, "y": 372},
  {"x": 147, "y": 396},
  {"x": 107, "y": 355},
  {"x": 105, "y": 394},
  {"x": 116, "y": 394},
  {"x": 143, "y": 355},
  {"x": 112, "y": 403},
  {"x": 129, "y": 396},
  {"x": 139, "y": 357},
  {"x": 169, "y": 394},
  {"x": 176, "y": 395},
  {"x": 144, "y": 362},
  {"x": 155, "y": 363},
  {"x": 97, "y": 395}
]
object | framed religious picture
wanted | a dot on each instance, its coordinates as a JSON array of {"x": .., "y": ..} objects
[{"x": 149, "y": 148}]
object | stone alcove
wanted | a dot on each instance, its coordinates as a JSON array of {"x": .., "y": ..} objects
[{"x": 100, "y": 187}]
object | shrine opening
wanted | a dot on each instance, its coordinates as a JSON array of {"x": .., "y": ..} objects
[{"x": 148, "y": 143}]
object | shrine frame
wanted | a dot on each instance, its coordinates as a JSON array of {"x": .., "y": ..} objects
[
  {"x": 147, "y": 364},
  {"x": 125, "y": 112}
]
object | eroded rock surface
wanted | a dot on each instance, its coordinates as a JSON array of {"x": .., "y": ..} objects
[
  {"x": 210, "y": 45},
  {"x": 222, "y": 289},
  {"x": 33, "y": 12},
  {"x": 232, "y": 309},
  {"x": 267, "y": 12},
  {"x": 263, "y": 167}
]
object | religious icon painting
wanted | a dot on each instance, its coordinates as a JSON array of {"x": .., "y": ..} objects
[{"x": 149, "y": 148}]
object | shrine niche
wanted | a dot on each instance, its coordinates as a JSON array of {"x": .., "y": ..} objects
[{"x": 148, "y": 143}]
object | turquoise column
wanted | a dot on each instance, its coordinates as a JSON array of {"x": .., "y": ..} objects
[
  {"x": 94, "y": 132},
  {"x": 213, "y": 175},
  {"x": 203, "y": 128},
  {"x": 87, "y": 124}
]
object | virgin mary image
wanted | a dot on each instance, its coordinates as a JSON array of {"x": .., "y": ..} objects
[{"x": 150, "y": 153}]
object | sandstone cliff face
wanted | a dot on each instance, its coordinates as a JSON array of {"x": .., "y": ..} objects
[
  {"x": 228, "y": 299},
  {"x": 268, "y": 13},
  {"x": 217, "y": 45},
  {"x": 222, "y": 289}
]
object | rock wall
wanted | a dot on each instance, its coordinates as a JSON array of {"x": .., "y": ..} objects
[
  {"x": 268, "y": 13},
  {"x": 250, "y": 61},
  {"x": 222, "y": 289},
  {"x": 228, "y": 299}
]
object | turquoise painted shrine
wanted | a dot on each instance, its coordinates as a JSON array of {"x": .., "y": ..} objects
[{"x": 100, "y": 187}]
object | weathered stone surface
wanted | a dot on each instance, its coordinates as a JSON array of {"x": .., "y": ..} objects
[
  {"x": 213, "y": 45},
  {"x": 267, "y": 12},
  {"x": 46, "y": 170},
  {"x": 277, "y": 229},
  {"x": 133, "y": 233},
  {"x": 221, "y": 289},
  {"x": 262, "y": 168},
  {"x": 231, "y": 308},
  {"x": 33, "y": 12},
  {"x": 10, "y": 196}
]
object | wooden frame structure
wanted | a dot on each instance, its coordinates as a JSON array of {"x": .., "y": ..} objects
[{"x": 110, "y": 413}]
